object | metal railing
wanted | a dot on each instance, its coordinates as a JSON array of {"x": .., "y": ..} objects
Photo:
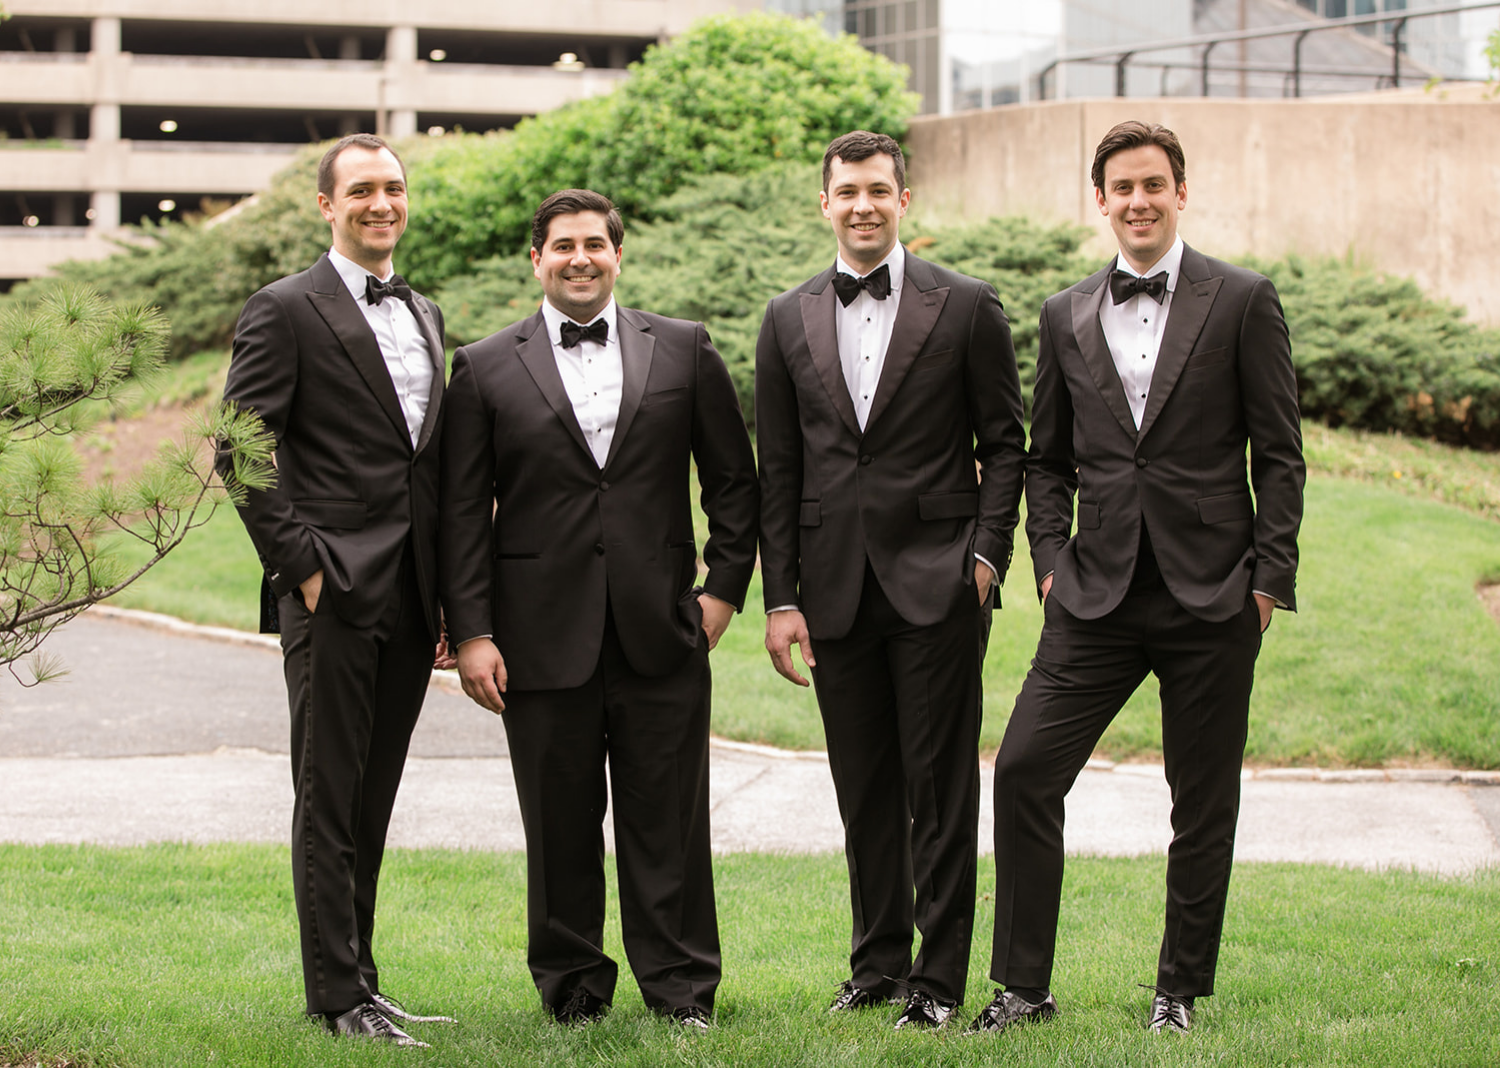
[{"x": 1122, "y": 55}]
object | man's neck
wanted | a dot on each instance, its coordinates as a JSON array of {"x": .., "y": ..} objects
[{"x": 381, "y": 269}]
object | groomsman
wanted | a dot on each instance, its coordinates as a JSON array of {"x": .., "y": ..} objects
[
  {"x": 881, "y": 383},
  {"x": 1152, "y": 556}
]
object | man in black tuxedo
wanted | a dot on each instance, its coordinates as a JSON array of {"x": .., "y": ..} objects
[
  {"x": 1152, "y": 378},
  {"x": 344, "y": 364},
  {"x": 879, "y": 383},
  {"x": 568, "y": 571}
]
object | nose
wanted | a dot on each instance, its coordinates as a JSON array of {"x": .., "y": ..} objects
[{"x": 580, "y": 257}]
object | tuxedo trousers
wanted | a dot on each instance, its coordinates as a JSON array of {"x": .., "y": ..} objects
[
  {"x": 1084, "y": 672},
  {"x": 901, "y": 708},
  {"x": 652, "y": 735},
  {"x": 355, "y": 694}
]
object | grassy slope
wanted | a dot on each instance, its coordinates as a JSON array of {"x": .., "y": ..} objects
[{"x": 173, "y": 955}]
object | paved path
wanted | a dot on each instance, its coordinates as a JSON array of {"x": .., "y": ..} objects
[{"x": 161, "y": 734}]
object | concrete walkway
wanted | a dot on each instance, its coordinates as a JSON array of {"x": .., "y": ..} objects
[{"x": 167, "y": 732}]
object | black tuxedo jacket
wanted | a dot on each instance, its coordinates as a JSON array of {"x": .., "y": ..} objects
[
  {"x": 535, "y": 537},
  {"x": 350, "y": 489},
  {"x": 1223, "y": 379},
  {"x": 903, "y": 493}
]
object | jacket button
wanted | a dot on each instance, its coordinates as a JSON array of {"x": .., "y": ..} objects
[
  {"x": 1141, "y": 461},
  {"x": 599, "y": 548},
  {"x": 604, "y": 485},
  {"x": 866, "y": 459}
]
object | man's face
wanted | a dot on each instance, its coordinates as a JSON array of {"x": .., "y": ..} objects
[
  {"x": 865, "y": 207},
  {"x": 1141, "y": 202},
  {"x": 578, "y": 264},
  {"x": 368, "y": 207}
]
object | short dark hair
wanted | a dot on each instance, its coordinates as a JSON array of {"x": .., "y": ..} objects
[
  {"x": 571, "y": 202},
  {"x": 862, "y": 144},
  {"x": 355, "y": 140},
  {"x": 1135, "y": 134}
]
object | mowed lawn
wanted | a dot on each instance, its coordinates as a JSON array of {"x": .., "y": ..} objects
[
  {"x": 175, "y": 956},
  {"x": 1391, "y": 658}
]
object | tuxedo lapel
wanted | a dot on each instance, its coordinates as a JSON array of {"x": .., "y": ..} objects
[
  {"x": 332, "y": 300},
  {"x": 637, "y": 347},
  {"x": 1191, "y": 302},
  {"x": 818, "y": 306},
  {"x": 423, "y": 313},
  {"x": 922, "y": 302},
  {"x": 534, "y": 349},
  {"x": 1089, "y": 335}
]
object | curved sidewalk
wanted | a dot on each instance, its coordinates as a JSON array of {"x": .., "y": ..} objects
[{"x": 167, "y": 732}]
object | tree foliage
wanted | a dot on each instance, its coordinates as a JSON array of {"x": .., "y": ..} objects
[{"x": 60, "y": 361}]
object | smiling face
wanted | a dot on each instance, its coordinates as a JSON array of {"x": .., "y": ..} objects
[
  {"x": 1141, "y": 202},
  {"x": 865, "y": 206},
  {"x": 578, "y": 264},
  {"x": 367, "y": 208}
]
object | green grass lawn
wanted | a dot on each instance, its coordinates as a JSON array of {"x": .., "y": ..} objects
[
  {"x": 1391, "y": 658},
  {"x": 177, "y": 956}
]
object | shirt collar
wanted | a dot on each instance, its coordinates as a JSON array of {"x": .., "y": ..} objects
[
  {"x": 353, "y": 274},
  {"x": 895, "y": 259},
  {"x": 554, "y": 320},
  {"x": 1171, "y": 262}
]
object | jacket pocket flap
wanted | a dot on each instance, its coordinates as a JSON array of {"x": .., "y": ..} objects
[
  {"x": 1207, "y": 358},
  {"x": 1226, "y": 508},
  {"x": 1088, "y": 515},
  {"x": 810, "y": 514},
  {"x": 334, "y": 515},
  {"x": 954, "y": 505}
]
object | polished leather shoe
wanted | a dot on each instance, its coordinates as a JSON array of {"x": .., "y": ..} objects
[
  {"x": 690, "y": 1018},
  {"x": 1007, "y": 1009},
  {"x": 580, "y": 1007},
  {"x": 366, "y": 1021},
  {"x": 1170, "y": 1013},
  {"x": 394, "y": 1010},
  {"x": 857, "y": 997},
  {"x": 923, "y": 1012}
]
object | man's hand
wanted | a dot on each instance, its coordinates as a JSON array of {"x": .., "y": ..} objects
[
  {"x": 1267, "y": 605},
  {"x": 716, "y": 617},
  {"x": 1046, "y": 587},
  {"x": 481, "y": 669},
  {"x": 442, "y": 659},
  {"x": 984, "y": 577},
  {"x": 784, "y": 630},
  {"x": 312, "y": 590}
]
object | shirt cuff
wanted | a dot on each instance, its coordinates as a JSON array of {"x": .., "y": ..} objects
[
  {"x": 784, "y": 608},
  {"x": 994, "y": 571}
]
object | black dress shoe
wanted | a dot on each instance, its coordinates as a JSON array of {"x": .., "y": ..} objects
[
  {"x": 394, "y": 1010},
  {"x": 1007, "y": 1009},
  {"x": 690, "y": 1018},
  {"x": 857, "y": 997},
  {"x": 1170, "y": 1013},
  {"x": 923, "y": 1012},
  {"x": 366, "y": 1021},
  {"x": 580, "y": 1007}
]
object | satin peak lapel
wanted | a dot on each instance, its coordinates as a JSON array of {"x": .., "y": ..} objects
[
  {"x": 535, "y": 353},
  {"x": 823, "y": 345},
  {"x": 1089, "y": 335},
  {"x": 1191, "y": 302},
  {"x": 423, "y": 313},
  {"x": 921, "y": 304},
  {"x": 637, "y": 347},
  {"x": 333, "y": 301}
]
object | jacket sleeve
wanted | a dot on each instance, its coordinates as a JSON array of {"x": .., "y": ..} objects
[
  {"x": 730, "y": 494},
  {"x": 778, "y": 435},
  {"x": 1051, "y": 470},
  {"x": 466, "y": 504},
  {"x": 993, "y": 388},
  {"x": 263, "y": 379}
]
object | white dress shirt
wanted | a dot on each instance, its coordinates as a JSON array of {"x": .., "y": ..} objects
[
  {"x": 593, "y": 376},
  {"x": 864, "y": 330},
  {"x": 1133, "y": 329},
  {"x": 407, "y": 356}
]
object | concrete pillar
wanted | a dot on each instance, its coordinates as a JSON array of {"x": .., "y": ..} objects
[
  {"x": 399, "y": 118},
  {"x": 65, "y": 40},
  {"x": 62, "y": 210},
  {"x": 64, "y": 127},
  {"x": 618, "y": 57},
  {"x": 106, "y": 207},
  {"x": 349, "y": 47},
  {"x": 104, "y": 124}
]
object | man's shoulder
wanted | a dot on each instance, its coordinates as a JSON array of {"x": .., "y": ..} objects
[
  {"x": 815, "y": 284},
  {"x": 941, "y": 276},
  {"x": 1217, "y": 268},
  {"x": 661, "y": 325},
  {"x": 1086, "y": 285}
]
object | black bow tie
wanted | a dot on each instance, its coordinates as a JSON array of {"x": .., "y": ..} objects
[
  {"x": 1123, "y": 285},
  {"x": 375, "y": 291},
  {"x": 572, "y": 333},
  {"x": 878, "y": 282}
]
